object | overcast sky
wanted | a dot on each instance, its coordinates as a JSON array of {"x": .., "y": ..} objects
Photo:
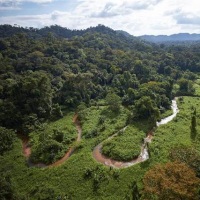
[{"x": 138, "y": 17}]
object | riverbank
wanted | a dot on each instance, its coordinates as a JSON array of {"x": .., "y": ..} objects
[{"x": 144, "y": 155}]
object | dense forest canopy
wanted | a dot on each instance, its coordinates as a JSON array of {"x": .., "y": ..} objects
[
  {"x": 112, "y": 80},
  {"x": 43, "y": 69}
]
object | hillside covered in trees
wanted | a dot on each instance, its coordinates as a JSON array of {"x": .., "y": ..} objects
[{"x": 111, "y": 80}]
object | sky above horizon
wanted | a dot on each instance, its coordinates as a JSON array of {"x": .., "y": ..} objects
[{"x": 137, "y": 17}]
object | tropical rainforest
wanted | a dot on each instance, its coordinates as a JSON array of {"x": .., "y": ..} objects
[{"x": 66, "y": 94}]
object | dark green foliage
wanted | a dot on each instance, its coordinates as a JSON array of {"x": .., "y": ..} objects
[
  {"x": 93, "y": 133},
  {"x": 135, "y": 191},
  {"x": 146, "y": 109},
  {"x": 56, "y": 112},
  {"x": 43, "y": 193},
  {"x": 6, "y": 188},
  {"x": 3, "y": 45},
  {"x": 7, "y": 138},
  {"x": 28, "y": 95},
  {"x": 68, "y": 180},
  {"x": 116, "y": 174},
  {"x": 40, "y": 72},
  {"x": 186, "y": 87},
  {"x": 101, "y": 120},
  {"x": 88, "y": 173},
  {"x": 98, "y": 176},
  {"x": 113, "y": 102},
  {"x": 46, "y": 151},
  {"x": 58, "y": 135},
  {"x": 81, "y": 108}
]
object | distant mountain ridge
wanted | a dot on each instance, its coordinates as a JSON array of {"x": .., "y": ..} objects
[
  {"x": 180, "y": 37},
  {"x": 58, "y": 31},
  {"x": 114, "y": 39}
]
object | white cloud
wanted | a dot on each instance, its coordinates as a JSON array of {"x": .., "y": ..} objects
[
  {"x": 137, "y": 16},
  {"x": 16, "y": 4},
  {"x": 140, "y": 4},
  {"x": 134, "y": 16},
  {"x": 19, "y": 1}
]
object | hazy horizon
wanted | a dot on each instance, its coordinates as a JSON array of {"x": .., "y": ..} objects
[{"x": 137, "y": 17}]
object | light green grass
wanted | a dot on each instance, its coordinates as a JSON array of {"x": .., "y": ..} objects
[
  {"x": 166, "y": 113},
  {"x": 111, "y": 123},
  {"x": 125, "y": 146}
]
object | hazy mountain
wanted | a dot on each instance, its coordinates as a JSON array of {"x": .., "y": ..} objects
[
  {"x": 124, "y": 33},
  {"x": 181, "y": 37}
]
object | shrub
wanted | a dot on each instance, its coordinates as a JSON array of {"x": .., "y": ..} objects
[{"x": 7, "y": 137}]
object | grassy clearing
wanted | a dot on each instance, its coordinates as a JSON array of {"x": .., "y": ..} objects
[
  {"x": 53, "y": 140},
  {"x": 125, "y": 146},
  {"x": 99, "y": 123}
]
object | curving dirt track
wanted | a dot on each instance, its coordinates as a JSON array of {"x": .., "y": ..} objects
[{"x": 27, "y": 149}]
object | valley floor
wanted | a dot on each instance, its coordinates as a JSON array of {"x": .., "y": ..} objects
[{"x": 81, "y": 176}]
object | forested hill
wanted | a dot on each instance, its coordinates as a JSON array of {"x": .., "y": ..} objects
[
  {"x": 45, "y": 70},
  {"x": 120, "y": 40},
  {"x": 56, "y": 31}
]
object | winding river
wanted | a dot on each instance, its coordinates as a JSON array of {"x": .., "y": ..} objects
[
  {"x": 97, "y": 155},
  {"x": 144, "y": 155}
]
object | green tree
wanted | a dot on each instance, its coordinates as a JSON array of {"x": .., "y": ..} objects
[
  {"x": 6, "y": 188},
  {"x": 113, "y": 101},
  {"x": 186, "y": 87},
  {"x": 146, "y": 109},
  {"x": 56, "y": 112},
  {"x": 7, "y": 138}
]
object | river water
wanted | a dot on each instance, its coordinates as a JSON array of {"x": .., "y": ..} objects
[
  {"x": 169, "y": 118},
  {"x": 144, "y": 155}
]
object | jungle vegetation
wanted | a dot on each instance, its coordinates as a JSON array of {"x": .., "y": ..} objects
[{"x": 111, "y": 81}]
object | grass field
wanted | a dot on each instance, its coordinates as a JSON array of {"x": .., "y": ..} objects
[
  {"x": 81, "y": 177},
  {"x": 125, "y": 146}
]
